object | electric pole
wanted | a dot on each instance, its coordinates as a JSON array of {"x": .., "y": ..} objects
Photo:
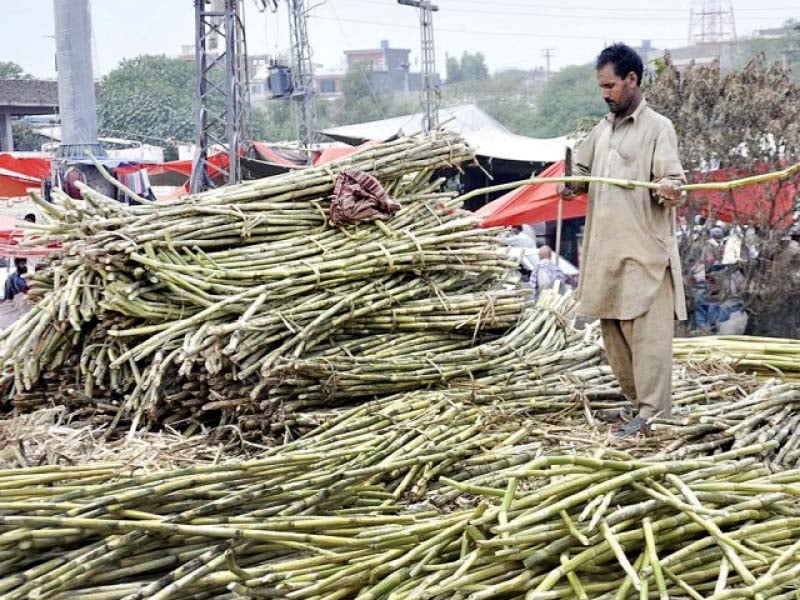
[
  {"x": 548, "y": 54},
  {"x": 222, "y": 88},
  {"x": 430, "y": 91},
  {"x": 302, "y": 74}
]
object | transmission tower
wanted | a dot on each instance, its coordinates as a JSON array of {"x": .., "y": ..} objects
[
  {"x": 302, "y": 74},
  {"x": 430, "y": 88},
  {"x": 222, "y": 90},
  {"x": 711, "y": 22}
]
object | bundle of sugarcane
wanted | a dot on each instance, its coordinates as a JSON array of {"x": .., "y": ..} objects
[
  {"x": 770, "y": 413},
  {"x": 325, "y": 518},
  {"x": 226, "y": 300},
  {"x": 767, "y": 356}
]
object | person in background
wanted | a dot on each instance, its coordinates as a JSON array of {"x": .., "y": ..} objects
[
  {"x": 547, "y": 273},
  {"x": 16, "y": 284},
  {"x": 30, "y": 218}
]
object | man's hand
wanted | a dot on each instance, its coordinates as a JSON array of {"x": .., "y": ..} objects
[
  {"x": 670, "y": 193},
  {"x": 566, "y": 192}
]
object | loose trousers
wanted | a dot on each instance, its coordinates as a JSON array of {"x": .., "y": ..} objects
[{"x": 640, "y": 353}]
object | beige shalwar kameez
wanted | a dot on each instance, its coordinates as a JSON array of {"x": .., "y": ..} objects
[{"x": 631, "y": 272}]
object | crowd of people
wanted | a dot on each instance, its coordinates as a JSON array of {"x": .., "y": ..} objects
[{"x": 720, "y": 261}]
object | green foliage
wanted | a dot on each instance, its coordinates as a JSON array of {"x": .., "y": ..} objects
[
  {"x": 25, "y": 137},
  {"x": 149, "y": 97},
  {"x": 453, "y": 72},
  {"x": 529, "y": 106},
  {"x": 784, "y": 50},
  {"x": 274, "y": 123},
  {"x": 11, "y": 70},
  {"x": 360, "y": 101},
  {"x": 277, "y": 120},
  {"x": 571, "y": 95},
  {"x": 471, "y": 67}
]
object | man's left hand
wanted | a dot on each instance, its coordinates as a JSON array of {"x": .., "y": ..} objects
[{"x": 670, "y": 193}]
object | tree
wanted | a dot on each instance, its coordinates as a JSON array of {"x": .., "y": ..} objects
[
  {"x": 25, "y": 137},
  {"x": 746, "y": 122},
  {"x": 784, "y": 49},
  {"x": 453, "y": 70},
  {"x": 151, "y": 97},
  {"x": 570, "y": 96},
  {"x": 360, "y": 100},
  {"x": 473, "y": 67},
  {"x": 11, "y": 70}
]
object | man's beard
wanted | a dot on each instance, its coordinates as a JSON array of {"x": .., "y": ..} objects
[{"x": 617, "y": 108}]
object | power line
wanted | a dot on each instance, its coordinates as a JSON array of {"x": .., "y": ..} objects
[
  {"x": 647, "y": 10},
  {"x": 485, "y": 32},
  {"x": 594, "y": 10}
]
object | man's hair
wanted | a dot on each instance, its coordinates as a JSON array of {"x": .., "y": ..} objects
[
  {"x": 624, "y": 59},
  {"x": 20, "y": 260}
]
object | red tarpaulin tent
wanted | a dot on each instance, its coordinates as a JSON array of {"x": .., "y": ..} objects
[
  {"x": 768, "y": 205},
  {"x": 531, "y": 203},
  {"x": 20, "y": 173}
]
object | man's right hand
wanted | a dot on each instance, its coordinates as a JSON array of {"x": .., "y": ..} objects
[{"x": 566, "y": 192}]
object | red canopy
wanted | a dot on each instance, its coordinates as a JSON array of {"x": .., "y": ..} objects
[
  {"x": 532, "y": 203},
  {"x": 34, "y": 166},
  {"x": 20, "y": 173},
  {"x": 332, "y": 153},
  {"x": 767, "y": 205}
]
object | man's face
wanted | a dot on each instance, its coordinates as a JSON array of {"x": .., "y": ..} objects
[{"x": 618, "y": 92}]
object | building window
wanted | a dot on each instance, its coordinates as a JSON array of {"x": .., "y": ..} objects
[{"x": 327, "y": 86}]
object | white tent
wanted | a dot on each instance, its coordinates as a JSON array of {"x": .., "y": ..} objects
[{"x": 485, "y": 134}]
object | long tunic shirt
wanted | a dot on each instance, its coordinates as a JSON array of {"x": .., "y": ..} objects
[{"x": 629, "y": 240}]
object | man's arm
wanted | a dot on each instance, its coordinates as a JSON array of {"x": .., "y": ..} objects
[
  {"x": 667, "y": 169},
  {"x": 581, "y": 166}
]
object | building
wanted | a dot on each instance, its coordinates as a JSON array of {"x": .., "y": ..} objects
[
  {"x": 380, "y": 59},
  {"x": 20, "y": 97},
  {"x": 388, "y": 69},
  {"x": 328, "y": 85},
  {"x": 257, "y": 72}
]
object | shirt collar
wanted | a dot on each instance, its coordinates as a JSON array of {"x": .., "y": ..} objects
[{"x": 633, "y": 116}]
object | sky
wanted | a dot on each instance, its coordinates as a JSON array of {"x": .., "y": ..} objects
[{"x": 510, "y": 33}]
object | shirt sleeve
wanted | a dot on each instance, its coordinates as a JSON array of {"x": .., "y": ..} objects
[
  {"x": 582, "y": 161},
  {"x": 666, "y": 160}
]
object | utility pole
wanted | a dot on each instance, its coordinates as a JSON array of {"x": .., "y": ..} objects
[
  {"x": 430, "y": 91},
  {"x": 302, "y": 75},
  {"x": 76, "y": 99},
  {"x": 221, "y": 88},
  {"x": 548, "y": 54}
]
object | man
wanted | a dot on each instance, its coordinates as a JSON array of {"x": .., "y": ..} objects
[
  {"x": 16, "y": 284},
  {"x": 631, "y": 274},
  {"x": 547, "y": 273}
]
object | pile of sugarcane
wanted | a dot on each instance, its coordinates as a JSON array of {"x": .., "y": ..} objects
[
  {"x": 769, "y": 357},
  {"x": 420, "y": 496},
  {"x": 226, "y": 306},
  {"x": 770, "y": 413}
]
